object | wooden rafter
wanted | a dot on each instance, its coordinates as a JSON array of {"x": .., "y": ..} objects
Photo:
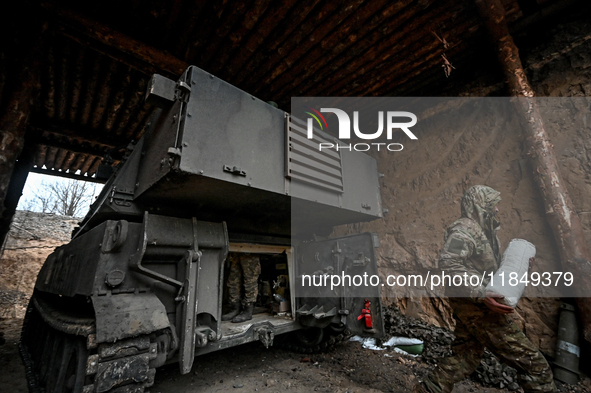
[{"x": 113, "y": 43}]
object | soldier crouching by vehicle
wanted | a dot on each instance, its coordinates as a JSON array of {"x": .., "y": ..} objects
[
  {"x": 244, "y": 270},
  {"x": 472, "y": 247}
]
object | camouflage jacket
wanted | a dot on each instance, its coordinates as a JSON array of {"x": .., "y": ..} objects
[{"x": 467, "y": 248}]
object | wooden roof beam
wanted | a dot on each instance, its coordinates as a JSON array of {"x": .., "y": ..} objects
[
  {"x": 48, "y": 130},
  {"x": 114, "y": 44}
]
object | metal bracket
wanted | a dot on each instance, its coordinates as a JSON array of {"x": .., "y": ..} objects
[
  {"x": 160, "y": 91},
  {"x": 121, "y": 197},
  {"x": 189, "y": 308},
  {"x": 375, "y": 239},
  {"x": 234, "y": 170},
  {"x": 183, "y": 90},
  {"x": 135, "y": 261},
  {"x": 115, "y": 236},
  {"x": 205, "y": 336},
  {"x": 337, "y": 248},
  {"x": 174, "y": 151},
  {"x": 189, "y": 337},
  {"x": 361, "y": 260}
]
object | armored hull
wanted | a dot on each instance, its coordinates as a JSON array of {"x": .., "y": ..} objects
[{"x": 142, "y": 283}]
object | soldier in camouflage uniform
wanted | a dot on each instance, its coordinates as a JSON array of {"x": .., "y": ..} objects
[
  {"x": 471, "y": 246},
  {"x": 244, "y": 269}
]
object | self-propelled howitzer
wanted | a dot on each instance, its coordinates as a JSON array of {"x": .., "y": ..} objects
[{"x": 141, "y": 283}]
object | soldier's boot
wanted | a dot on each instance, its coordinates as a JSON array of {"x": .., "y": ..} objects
[
  {"x": 232, "y": 312},
  {"x": 246, "y": 314}
]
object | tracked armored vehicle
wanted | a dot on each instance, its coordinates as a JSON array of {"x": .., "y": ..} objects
[{"x": 141, "y": 284}]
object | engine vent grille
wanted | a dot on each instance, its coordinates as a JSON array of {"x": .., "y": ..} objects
[{"x": 306, "y": 163}]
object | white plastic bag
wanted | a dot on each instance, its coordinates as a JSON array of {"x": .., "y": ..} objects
[{"x": 515, "y": 260}]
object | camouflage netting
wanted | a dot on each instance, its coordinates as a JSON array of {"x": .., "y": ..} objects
[{"x": 437, "y": 345}]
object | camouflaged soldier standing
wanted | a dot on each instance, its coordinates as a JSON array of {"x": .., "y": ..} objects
[
  {"x": 244, "y": 269},
  {"x": 472, "y": 247}
]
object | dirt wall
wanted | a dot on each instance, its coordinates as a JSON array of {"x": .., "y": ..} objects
[
  {"x": 32, "y": 237},
  {"x": 422, "y": 185}
]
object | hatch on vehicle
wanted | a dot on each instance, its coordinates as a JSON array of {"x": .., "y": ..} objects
[{"x": 337, "y": 283}]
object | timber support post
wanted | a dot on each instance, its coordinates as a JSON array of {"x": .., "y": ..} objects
[
  {"x": 560, "y": 212},
  {"x": 14, "y": 118},
  {"x": 15, "y": 189}
]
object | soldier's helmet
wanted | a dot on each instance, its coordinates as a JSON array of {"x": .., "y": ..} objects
[{"x": 478, "y": 203}]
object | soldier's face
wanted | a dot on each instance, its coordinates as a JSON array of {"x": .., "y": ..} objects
[{"x": 495, "y": 218}]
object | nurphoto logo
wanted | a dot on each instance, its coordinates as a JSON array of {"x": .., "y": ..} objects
[{"x": 392, "y": 120}]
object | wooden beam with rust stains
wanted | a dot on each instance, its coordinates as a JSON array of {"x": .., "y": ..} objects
[
  {"x": 560, "y": 211},
  {"x": 113, "y": 43},
  {"x": 13, "y": 125},
  {"x": 15, "y": 189}
]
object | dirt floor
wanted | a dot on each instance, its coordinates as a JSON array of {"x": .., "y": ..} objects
[
  {"x": 248, "y": 368},
  {"x": 251, "y": 368}
]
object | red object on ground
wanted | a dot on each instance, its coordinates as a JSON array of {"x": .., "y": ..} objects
[{"x": 366, "y": 313}]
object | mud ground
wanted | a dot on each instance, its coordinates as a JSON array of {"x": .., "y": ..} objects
[
  {"x": 252, "y": 368},
  {"x": 248, "y": 368}
]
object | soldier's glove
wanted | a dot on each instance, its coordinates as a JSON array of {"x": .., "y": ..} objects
[{"x": 495, "y": 306}]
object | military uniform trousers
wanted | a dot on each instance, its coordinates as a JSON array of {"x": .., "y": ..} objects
[
  {"x": 478, "y": 327},
  {"x": 244, "y": 269}
]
